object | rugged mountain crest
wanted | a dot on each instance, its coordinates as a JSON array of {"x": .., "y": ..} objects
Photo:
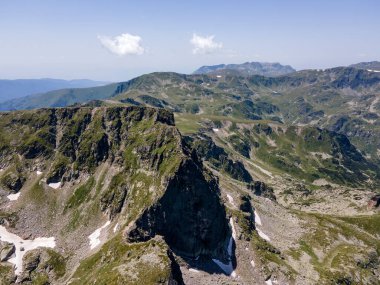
[
  {"x": 248, "y": 68},
  {"x": 127, "y": 164}
]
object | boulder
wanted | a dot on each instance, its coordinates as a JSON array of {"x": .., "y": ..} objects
[
  {"x": 13, "y": 182},
  {"x": 261, "y": 189},
  {"x": 374, "y": 202},
  {"x": 6, "y": 250}
]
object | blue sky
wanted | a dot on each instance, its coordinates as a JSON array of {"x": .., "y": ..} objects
[{"x": 118, "y": 40}]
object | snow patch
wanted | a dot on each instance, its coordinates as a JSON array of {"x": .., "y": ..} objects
[
  {"x": 39, "y": 172},
  {"x": 215, "y": 130},
  {"x": 268, "y": 282},
  {"x": 116, "y": 227},
  {"x": 231, "y": 200},
  {"x": 371, "y": 70},
  {"x": 26, "y": 244},
  {"x": 257, "y": 218},
  {"x": 55, "y": 185},
  {"x": 14, "y": 197},
  {"x": 259, "y": 223},
  {"x": 219, "y": 76},
  {"x": 228, "y": 268},
  {"x": 193, "y": 270},
  {"x": 261, "y": 234},
  {"x": 233, "y": 230},
  {"x": 95, "y": 236}
]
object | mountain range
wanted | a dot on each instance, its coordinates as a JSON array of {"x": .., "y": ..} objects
[
  {"x": 316, "y": 98},
  {"x": 11, "y": 89},
  {"x": 219, "y": 177},
  {"x": 248, "y": 68},
  {"x": 372, "y": 65}
]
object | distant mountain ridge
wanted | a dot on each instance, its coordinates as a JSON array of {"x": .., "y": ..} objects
[
  {"x": 12, "y": 89},
  {"x": 370, "y": 66},
  {"x": 248, "y": 68}
]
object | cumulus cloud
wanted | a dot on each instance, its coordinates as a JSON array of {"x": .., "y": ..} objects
[
  {"x": 203, "y": 45},
  {"x": 123, "y": 44}
]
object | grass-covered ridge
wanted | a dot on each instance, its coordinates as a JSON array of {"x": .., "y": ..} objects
[
  {"x": 121, "y": 263},
  {"x": 341, "y": 248},
  {"x": 307, "y": 153}
]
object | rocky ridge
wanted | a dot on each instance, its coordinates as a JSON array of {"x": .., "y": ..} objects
[{"x": 125, "y": 165}]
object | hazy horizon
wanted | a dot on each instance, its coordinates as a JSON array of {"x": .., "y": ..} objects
[{"x": 116, "y": 41}]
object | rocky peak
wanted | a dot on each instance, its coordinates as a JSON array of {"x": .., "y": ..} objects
[{"x": 128, "y": 165}]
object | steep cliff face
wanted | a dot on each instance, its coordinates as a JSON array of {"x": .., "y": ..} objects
[
  {"x": 189, "y": 215},
  {"x": 126, "y": 165}
]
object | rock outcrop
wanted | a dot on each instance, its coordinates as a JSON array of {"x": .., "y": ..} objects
[
  {"x": 374, "y": 202},
  {"x": 42, "y": 264},
  {"x": 217, "y": 156},
  {"x": 261, "y": 189},
  {"x": 12, "y": 182},
  {"x": 6, "y": 250}
]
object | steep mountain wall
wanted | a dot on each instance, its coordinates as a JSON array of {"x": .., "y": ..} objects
[{"x": 124, "y": 165}]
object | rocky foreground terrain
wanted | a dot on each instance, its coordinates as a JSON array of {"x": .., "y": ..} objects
[{"x": 117, "y": 195}]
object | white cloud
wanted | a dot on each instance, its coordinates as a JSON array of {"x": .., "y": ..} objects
[
  {"x": 123, "y": 44},
  {"x": 203, "y": 45}
]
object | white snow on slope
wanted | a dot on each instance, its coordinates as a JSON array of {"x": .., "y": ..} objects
[
  {"x": 233, "y": 231},
  {"x": 228, "y": 268},
  {"x": 259, "y": 223},
  {"x": 55, "y": 185},
  {"x": 14, "y": 197},
  {"x": 26, "y": 244},
  {"x": 116, "y": 227},
  {"x": 95, "y": 236},
  {"x": 269, "y": 282},
  {"x": 257, "y": 219},
  {"x": 231, "y": 200},
  {"x": 193, "y": 270},
  {"x": 261, "y": 234},
  {"x": 39, "y": 172}
]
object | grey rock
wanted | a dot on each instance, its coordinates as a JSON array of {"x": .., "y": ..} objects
[{"x": 6, "y": 250}]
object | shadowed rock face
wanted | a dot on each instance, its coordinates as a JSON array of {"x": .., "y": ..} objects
[
  {"x": 189, "y": 215},
  {"x": 149, "y": 180},
  {"x": 217, "y": 156},
  {"x": 374, "y": 202},
  {"x": 261, "y": 189},
  {"x": 6, "y": 250}
]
